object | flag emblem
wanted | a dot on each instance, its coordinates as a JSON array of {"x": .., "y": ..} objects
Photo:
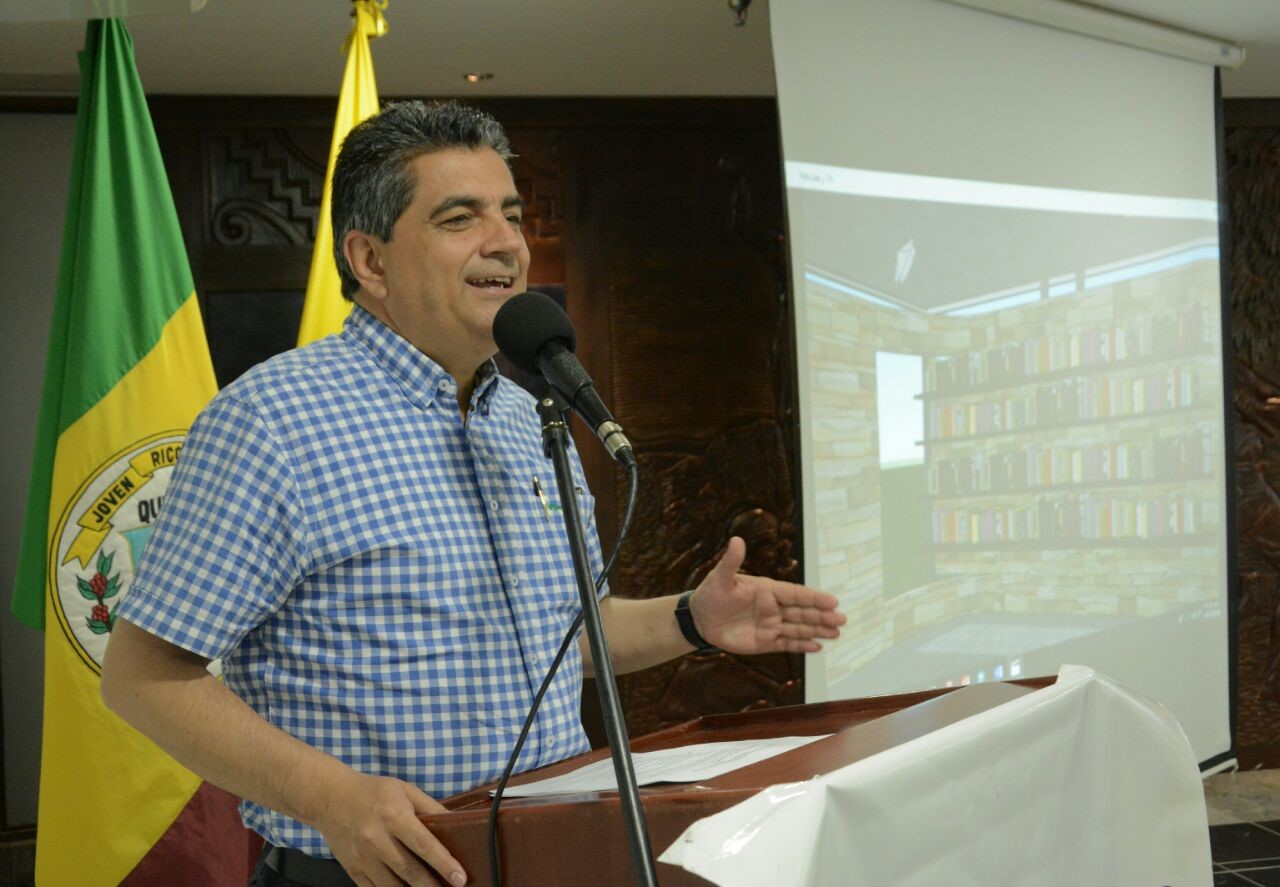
[{"x": 100, "y": 537}]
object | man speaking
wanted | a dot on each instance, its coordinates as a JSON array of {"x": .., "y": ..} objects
[{"x": 352, "y": 529}]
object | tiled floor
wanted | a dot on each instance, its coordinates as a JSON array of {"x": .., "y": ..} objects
[
  {"x": 1246, "y": 854},
  {"x": 1244, "y": 828}
]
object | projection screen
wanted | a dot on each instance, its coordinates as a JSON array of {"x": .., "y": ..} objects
[{"x": 1005, "y": 258}]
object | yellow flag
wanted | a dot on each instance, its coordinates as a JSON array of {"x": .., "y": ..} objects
[{"x": 324, "y": 309}]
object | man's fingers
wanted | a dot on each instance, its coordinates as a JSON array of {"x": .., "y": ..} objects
[
  {"x": 795, "y": 645},
  {"x": 423, "y": 802},
  {"x": 804, "y": 615},
  {"x": 426, "y": 845},
  {"x": 398, "y": 864},
  {"x": 412, "y": 855},
  {"x": 788, "y": 594},
  {"x": 373, "y": 873},
  {"x": 423, "y": 845},
  {"x": 801, "y": 596},
  {"x": 797, "y": 631},
  {"x": 429, "y": 849},
  {"x": 410, "y": 868},
  {"x": 810, "y": 616},
  {"x": 403, "y": 870}
]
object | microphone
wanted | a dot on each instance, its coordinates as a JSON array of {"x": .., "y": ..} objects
[{"x": 535, "y": 334}]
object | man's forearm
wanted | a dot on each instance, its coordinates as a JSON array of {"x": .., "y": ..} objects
[
  {"x": 641, "y": 633},
  {"x": 168, "y": 695}
]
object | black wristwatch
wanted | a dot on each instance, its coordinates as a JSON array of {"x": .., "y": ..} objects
[{"x": 684, "y": 619}]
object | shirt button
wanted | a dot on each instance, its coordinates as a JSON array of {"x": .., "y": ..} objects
[
  {"x": 515, "y": 583},
  {"x": 493, "y": 505},
  {"x": 551, "y": 741}
]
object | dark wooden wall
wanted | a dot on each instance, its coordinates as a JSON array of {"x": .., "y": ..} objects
[
  {"x": 662, "y": 220},
  {"x": 672, "y": 234},
  {"x": 1253, "y": 193}
]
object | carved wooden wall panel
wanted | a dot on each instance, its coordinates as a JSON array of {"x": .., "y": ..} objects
[
  {"x": 665, "y": 232},
  {"x": 247, "y": 178},
  {"x": 264, "y": 186},
  {"x": 1253, "y": 185}
]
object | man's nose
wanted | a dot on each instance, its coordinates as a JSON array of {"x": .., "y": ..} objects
[{"x": 504, "y": 237}]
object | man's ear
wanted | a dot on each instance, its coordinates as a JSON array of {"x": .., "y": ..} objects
[{"x": 364, "y": 254}]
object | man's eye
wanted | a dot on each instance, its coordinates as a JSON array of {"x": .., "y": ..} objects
[
  {"x": 457, "y": 220},
  {"x": 515, "y": 220}
]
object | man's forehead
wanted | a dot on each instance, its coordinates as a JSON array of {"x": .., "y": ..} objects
[{"x": 463, "y": 172}]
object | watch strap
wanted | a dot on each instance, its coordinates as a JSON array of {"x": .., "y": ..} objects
[{"x": 684, "y": 618}]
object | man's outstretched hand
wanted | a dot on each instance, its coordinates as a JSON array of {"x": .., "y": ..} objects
[{"x": 752, "y": 614}]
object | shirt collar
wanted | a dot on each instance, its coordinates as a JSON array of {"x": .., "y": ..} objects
[{"x": 423, "y": 380}]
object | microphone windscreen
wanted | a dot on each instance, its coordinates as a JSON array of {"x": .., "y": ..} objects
[{"x": 526, "y": 324}]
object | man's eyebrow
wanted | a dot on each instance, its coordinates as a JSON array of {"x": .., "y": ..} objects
[
  {"x": 458, "y": 200},
  {"x": 474, "y": 204}
]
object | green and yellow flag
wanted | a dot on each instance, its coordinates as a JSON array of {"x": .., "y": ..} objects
[
  {"x": 127, "y": 370},
  {"x": 324, "y": 309}
]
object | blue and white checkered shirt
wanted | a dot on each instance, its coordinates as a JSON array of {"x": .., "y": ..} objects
[{"x": 379, "y": 579}]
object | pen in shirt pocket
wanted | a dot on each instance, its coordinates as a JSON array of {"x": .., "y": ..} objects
[{"x": 537, "y": 491}]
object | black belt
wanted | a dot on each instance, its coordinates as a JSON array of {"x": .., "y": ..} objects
[{"x": 297, "y": 866}]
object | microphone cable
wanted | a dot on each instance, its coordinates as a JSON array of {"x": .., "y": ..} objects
[{"x": 633, "y": 475}]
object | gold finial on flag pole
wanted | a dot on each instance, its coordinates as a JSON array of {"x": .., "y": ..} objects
[{"x": 369, "y": 19}]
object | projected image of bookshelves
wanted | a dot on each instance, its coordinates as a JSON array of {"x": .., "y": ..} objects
[{"x": 1099, "y": 437}]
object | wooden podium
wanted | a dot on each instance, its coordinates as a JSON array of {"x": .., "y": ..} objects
[{"x": 579, "y": 839}]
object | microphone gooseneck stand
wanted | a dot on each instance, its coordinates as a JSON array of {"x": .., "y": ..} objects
[{"x": 555, "y": 442}]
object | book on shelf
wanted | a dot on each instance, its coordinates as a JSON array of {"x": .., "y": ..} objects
[
  {"x": 1062, "y": 402},
  {"x": 1145, "y": 337},
  {"x": 1083, "y": 517},
  {"x": 1178, "y": 457}
]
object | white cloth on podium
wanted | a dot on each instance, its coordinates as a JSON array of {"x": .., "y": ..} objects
[{"x": 1083, "y": 782}]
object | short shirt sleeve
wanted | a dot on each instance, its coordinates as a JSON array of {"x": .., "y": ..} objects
[{"x": 230, "y": 544}]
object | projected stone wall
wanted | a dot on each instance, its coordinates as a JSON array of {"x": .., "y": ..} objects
[{"x": 1067, "y": 458}]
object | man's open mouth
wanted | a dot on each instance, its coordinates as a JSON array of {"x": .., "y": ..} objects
[{"x": 491, "y": 282}]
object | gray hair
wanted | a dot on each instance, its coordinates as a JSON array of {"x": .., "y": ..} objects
[{"x": 373, "y": 182}]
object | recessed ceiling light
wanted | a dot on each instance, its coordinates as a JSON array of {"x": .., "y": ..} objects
[{"x": 476, "y": 78}]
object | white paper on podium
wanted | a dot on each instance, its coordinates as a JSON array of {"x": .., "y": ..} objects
[
  {"x": 1079, "y": 783},
  {"x": 688, "y": 763}
]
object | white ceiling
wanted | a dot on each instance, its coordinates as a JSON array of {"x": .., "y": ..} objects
[{"x": 534, "y": 47}]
